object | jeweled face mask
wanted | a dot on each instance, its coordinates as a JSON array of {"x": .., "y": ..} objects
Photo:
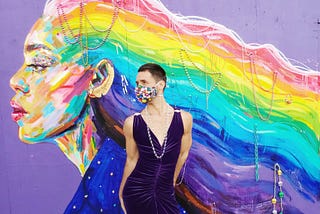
[{"x": 145, "y": 94}]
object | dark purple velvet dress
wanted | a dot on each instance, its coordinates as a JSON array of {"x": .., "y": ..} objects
[{"x": 149, "y": 188}]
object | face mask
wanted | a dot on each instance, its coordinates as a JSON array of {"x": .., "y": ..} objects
[{"x": 145, "y": 94}]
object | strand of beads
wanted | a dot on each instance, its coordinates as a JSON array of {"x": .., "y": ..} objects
[
  {"x": 183, "y": 172},
  {"x": 82, "y": 37},
  {"x": 152, "y": 145},
  {"x": 255, "y": 97},
  {"x": 256, "y": 153},
  {"x": 206, "y": 91},
  {"x": 277, "y": 181},
  {"x": 214, "y": 84},
  {"x": 165, "y": 136}
]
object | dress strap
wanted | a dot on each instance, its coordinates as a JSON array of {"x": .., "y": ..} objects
[{"x": 139, "y": 113}]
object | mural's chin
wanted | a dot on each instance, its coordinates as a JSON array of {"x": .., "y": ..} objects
[
  {"x": 28, "y": 141},
  {"x": 35, "y": 134},
  {"x": 32, "y": 136}
]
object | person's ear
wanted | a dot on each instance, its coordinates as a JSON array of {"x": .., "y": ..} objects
[
  {"x": 162, "y": 84},
  {"x": 102, "y": 79}
]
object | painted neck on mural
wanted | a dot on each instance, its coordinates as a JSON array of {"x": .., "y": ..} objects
[{"x": 79, "y": 143}]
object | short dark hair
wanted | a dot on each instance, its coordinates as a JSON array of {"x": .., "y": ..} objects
[{"x": 156, "y": 71}]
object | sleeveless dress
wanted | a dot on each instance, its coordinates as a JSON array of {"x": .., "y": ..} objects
[{"x": 149, "y": 188}]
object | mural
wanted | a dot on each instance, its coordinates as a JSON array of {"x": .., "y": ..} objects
[{"x": 256, "y": 127}]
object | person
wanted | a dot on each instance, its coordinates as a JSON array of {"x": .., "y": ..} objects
[{"x": 158, "y": 141}]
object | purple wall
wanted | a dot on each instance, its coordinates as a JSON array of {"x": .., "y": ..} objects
[
  {"x": 33, "y": 178},
  {"x": 38, "y": 178}
]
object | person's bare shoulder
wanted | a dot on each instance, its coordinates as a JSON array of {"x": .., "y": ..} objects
[
  {"x": 127, "y": 125},
  {"x": 187, "y": 120}
]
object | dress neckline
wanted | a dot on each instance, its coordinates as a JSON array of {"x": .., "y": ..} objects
[{"x": 157, "y": 140}]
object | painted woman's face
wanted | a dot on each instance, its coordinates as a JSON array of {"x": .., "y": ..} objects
[{"x": 51, "y": 88}]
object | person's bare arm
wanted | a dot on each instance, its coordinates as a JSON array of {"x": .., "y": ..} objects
[
  {"x": 132, "y": 155},
  {"x": 186, "y": 143}
]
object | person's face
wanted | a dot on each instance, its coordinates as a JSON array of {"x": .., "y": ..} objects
[
  {"x": 51, "y": 88},
  {"x": 147, "y": 87}
]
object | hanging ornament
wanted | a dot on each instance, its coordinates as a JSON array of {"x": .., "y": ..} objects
[{"x": 277, "y": 184}]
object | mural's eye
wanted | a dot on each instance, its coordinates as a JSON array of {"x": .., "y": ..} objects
[
  {"x": 37, "y": 68},
  {"x": 40, "y": 63}
]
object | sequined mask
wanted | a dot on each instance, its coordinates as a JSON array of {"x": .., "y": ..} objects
[{"x": 145, "y": 94}]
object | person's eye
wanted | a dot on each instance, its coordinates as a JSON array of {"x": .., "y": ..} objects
[{"x": 37, "y": 68}]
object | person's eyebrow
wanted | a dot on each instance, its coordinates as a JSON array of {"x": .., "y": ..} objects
[
  {"x": 142, "y": 81},
  {"x": 32, "y": 47}
]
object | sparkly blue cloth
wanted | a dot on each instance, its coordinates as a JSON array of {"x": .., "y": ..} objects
[{"x": 99, "y": 189}]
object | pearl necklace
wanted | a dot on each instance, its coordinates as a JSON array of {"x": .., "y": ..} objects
[{"x": 165, "y": 137}]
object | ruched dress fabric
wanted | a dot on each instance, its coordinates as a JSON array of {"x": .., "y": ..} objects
[{"x": 149, "y": 188}]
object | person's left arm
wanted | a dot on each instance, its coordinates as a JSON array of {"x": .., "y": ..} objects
[{"x": 186, "y": 143}]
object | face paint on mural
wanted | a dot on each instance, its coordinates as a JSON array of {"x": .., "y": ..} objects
[
  {"x": 50, "y": 94},
  {"x": 252, "y": 108}
]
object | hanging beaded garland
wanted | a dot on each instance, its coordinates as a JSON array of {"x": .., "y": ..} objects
[
  {"x": 277, "y": 182},
  {"x": 256, "y": 153},
  {"x": 82, "y": 37},
  {"x": 207, "y": 91},
  {"x": 259, "y": 85}
]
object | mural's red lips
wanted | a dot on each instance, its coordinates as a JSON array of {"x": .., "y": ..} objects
[{"x": 18, "y": 111}]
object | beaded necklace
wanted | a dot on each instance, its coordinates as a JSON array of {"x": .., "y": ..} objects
[
  {"x": 256, "y": 153},
  {"x": 207, "y": 91},
  {"x": 165, "y": 137},
  {"x": 271, "y": 90},
  {"x": 79, "y": 38},
  {"x": 277, "y": 180}
]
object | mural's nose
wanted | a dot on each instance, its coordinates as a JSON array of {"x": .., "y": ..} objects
[{"x": 18, "y": 83}]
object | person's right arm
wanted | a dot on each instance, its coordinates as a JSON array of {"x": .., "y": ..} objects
[{"x": 132, "y": 155}]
